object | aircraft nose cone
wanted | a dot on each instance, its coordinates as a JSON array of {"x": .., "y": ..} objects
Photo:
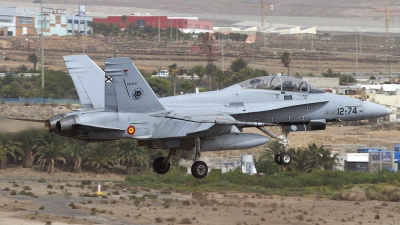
[
  {"x": 389, "y": 111},
  {"x": 373, "y": 110}
]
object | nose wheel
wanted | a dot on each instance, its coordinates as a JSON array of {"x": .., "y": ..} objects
[{"x": 285, "y": 158}]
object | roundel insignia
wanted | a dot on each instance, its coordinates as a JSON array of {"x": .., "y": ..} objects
[{"x": 131, "y": 130}]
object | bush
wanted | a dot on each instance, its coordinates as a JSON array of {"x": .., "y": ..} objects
[
  {"x": 186, "y": 221},
  {"x": 85, "y": 182},
  {"x": 42, "y": 180},
  {"x": 23, "y": 192}
]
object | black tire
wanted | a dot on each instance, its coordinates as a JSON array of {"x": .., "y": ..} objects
[
  {"x": 199, "y": 169},
  {"x": 285, "y": 159},
  {"x": 277, "y": 158},
  {"x": 159, "y": 167}
]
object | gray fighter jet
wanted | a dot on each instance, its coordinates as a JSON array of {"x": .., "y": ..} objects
[{"x": 119, "y": 104}]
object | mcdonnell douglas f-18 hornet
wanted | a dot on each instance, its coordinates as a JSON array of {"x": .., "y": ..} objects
[{"x": 119, "y": 104}]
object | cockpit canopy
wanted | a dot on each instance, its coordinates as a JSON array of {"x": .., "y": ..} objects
[{"x": 280, "y": 83}]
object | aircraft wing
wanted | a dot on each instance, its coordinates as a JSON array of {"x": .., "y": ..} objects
[
  {"x": 276, "y": 105},
  {"x": 180, "y": 125},
  {"x": 200, "y": 118}
]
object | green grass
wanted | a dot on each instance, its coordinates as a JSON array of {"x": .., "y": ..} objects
[{"x": 321, "y": 184}]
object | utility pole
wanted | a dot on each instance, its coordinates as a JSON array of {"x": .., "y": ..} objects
[
  {"x": 262, "y": 13},
  {"x": 158, "y": 28},
  {"x": 222, "y": 52},
  {"x": 177, "y": 29},
  {"x": 41, "y": 40},
  {"x": 356, "y": 59},
  {"x": 83, "y": 37},
  {"x": 170, "y": 33}
]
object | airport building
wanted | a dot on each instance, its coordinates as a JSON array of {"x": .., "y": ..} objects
[
  {"x": 53, "y": 23},
  {"x": 78, "y": 24},
  {"x": 370, "y": 160},
  {"x": 257, "y": 34},
  {"x": 185, "y": 24},
  {"x": 15, "y": 21}
]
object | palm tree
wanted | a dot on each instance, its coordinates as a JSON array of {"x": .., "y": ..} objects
[
  {"x": 301, "y": 161},
  {"x": 199, "y": 71},
  {"x": 50, "y": 151},
  {"x": 3, "y": 156},
  {"x": 273, "y": 147},
  {"x": 286, "y": 60},
  {"x": 33, "y": 59},
  {"x": 131, "y": 155},
  {"x": 93, "y": 26},
  {"x": 328, "y": 161},
  {"x": 124, "y": 18},
  {"x": 172, "y": 69},
  {"x": 77, "y": 149},
  {"x": 27, "y": 145},
  {"x": 100, "y": 156},
  {"x": 10, "y": 148},
  {"x": 314, "y": 154}
]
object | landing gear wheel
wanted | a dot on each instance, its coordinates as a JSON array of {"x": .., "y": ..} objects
[
  {"x": 277, "y": 158},
  {"x": 285, "y": 159},
  {"x": 199, "y": 169},
  {"x": 160, "y": 167}
]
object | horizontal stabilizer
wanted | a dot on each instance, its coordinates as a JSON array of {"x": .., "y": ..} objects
[{"x": 29, "y": 120}]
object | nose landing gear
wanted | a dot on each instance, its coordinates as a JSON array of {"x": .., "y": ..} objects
[{"x": 282, "y": 157}]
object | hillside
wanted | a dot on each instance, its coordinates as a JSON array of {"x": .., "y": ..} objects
[{"x": 309, "y": 8}]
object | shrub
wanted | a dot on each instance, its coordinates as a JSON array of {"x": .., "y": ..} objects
[
  {"x": 42, "y": 180},
  {"x": 23, "y": 192},
  {"x": 150, "y": 196},
  {"x": 186, "y": 221},
  {"x": 41, "y": 208},
  {"x": 172, "y": 219},
  {"x": 85, "y": 182}
]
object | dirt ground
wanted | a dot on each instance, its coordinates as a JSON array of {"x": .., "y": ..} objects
[{"x": 62, "y": 199}]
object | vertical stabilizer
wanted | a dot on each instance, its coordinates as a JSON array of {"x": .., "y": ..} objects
[
  {"x": 88, "y": 79},
  {"x": 132, "y": 92}
]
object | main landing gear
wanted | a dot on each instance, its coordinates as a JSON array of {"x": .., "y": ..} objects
[
  {"x": 282, "y": 157},
  {"x": 199, "y": 169}
]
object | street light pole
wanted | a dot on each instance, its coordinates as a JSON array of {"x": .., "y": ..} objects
[
  {"x": 41, "y": 40},
  {"x": 83, "y": 36},
  {"x": 319, "y": 57},
  {"x": 391, "y": 74},
  {"x": 342, "y": 133},
  {"x": 387, "y": 69},
  {"x": 356, "y": 59},
  {"x": 158, "y": 28},
  {"x": 27, "y": 40}
]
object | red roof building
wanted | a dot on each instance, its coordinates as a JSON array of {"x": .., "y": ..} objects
[{"x": 185, "y": 24}]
